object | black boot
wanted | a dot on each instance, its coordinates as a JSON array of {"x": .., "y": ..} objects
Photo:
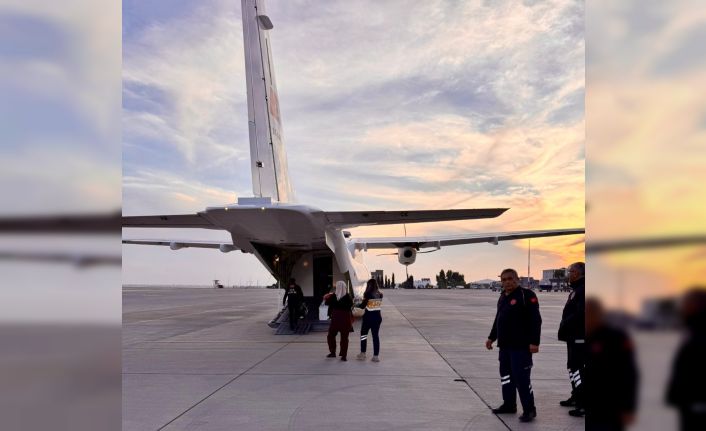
[
  {"x": 505, "y": 408},
  {"x": 578, "y": 412},
  {"x": 528, "y": 416},
  {"x": 571, "y": 402}
]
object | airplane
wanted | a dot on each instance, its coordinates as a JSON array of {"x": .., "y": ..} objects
[
  {"x": 296, "y": 240},
  {"x": 70, "y": 226}
]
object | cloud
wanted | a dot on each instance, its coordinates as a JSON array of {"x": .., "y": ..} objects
[
  {"x": 384, "y": 106},
  {"x": 59, "y": 76},
  {"x": 646, "y": 144}
]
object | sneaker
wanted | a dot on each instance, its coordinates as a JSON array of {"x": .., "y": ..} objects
[
  {"x": 343, "y": 358},
  {"x": 360, "y": 356},
  {"x": 375, "y": 359},
  {"x": 505, "y": 408},
  {"x": 578, "y": 412},
  {"x": 571, "y": 402},
  {"x": 528, "y": 416},
  {"x": 331, "y": 355}
]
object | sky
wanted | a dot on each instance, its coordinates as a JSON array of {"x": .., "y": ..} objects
[
  {"x": 60, "y": 153},
  {"x": 385, "y": 106},
  {"x": 646, "y": 135}
]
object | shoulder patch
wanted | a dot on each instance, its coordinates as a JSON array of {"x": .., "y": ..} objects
[
  {"x": 533, "y": 300},
  {"x": 513, "y": 302}
]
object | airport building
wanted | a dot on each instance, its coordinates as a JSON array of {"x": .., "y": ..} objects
[
  {"x": 529, "y": 283},
  {"x": 554, "y": 280},
  {"x": 423, "y": 283}
]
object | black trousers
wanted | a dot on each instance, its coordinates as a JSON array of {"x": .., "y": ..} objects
[
  {"x": 515, "y": 370},
  {"x": 691, "y": 421},
  {"x": 371, "y": 321},
  {"x": 293, "y": 314},
  {"x": 576, "y": 361}
]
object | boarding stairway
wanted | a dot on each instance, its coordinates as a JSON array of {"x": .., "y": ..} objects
[{"x": 310, "y": 322}]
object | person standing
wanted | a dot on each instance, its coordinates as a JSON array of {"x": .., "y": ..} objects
[
  {"x": 611, "y": 373},
  {"x": 572, "y": 330},
  {"x": 686, "y": 387},
  {"x": 340, "y": 305},
  {"x": 517, "y": 328},
  {"x": 293, "y": 296},
  {"x": 372, "y": 319}
]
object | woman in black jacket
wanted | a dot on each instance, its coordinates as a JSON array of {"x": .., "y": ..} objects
[
  {"x": 372, "y": 319},
  {"x": 340, "y": 305}
]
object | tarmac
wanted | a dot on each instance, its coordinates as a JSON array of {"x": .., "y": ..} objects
[{"x": 205, "y": 359}]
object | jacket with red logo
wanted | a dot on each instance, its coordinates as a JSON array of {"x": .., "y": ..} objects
[{"x": 517, "y": 322}]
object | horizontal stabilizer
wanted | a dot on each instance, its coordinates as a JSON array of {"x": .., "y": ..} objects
[
  {"x": 360, "y": 218},
  {"x": 446, "y": 240},
  {"x": 176, "y": 221}
]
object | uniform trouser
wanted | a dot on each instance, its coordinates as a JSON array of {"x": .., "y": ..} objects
[
  {"x": 331, "y": 338},
  {"x": 691, "y": 421},
  {"x": 576, "y": 360},
  {"x": 515, "y": 369},
  {"x": 605, "y": 425},
  {"x": 371, "y": 321},
  {"x": 293, "y": 314}
]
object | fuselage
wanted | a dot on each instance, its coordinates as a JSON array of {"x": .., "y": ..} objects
[{"x": 287, "y": 238}]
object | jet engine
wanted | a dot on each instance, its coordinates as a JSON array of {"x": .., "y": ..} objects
[{"x": 406, "y": 255}]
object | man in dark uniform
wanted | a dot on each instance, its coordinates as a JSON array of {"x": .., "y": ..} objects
[
  {"x": 517, "y": 328},
  {"x": 611, "y": 373},
  {"x": 572, "y": 330},
  {"x": 293, "y": 296},
  {"x": 686, "y": 387}
]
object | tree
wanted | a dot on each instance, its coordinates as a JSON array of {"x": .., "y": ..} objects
[
  {"x": 393, "y": 280},
  {"x": 457, "y": 279},
  {"x": 441, "y": 280}
]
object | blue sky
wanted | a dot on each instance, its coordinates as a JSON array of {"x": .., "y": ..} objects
[
  {"x": 385, "y": 105},
  {"x": 60, "y": 152}
]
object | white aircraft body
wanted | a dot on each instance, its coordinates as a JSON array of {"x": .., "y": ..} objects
[{"x": 294, "y": 240}]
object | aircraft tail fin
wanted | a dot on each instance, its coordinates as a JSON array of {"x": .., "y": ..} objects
[{"x": 270, "y": 175}]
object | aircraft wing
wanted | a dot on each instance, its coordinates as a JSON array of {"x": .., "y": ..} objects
[
  {"x": 177, "y": 244},
  {"x": 176, "y": 221},
  {"x": 98, "y": 223},
  {"x": 446, "y": 240},
  {"x": 630, "y": 244},
  {"x": 77, "y": 259},
  {"x": 361, "y": 218}
]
